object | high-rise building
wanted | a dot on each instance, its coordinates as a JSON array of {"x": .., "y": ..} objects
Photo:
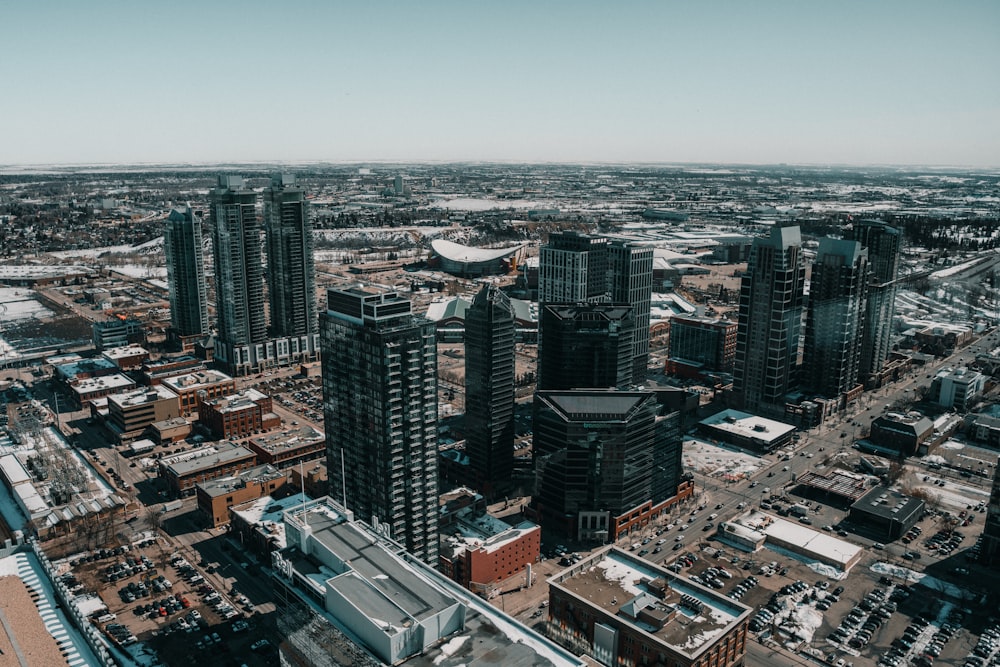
[
  {"x": 837, "y": 298},
  {"x": 489, "y": 389},
  {"x": 883, "y": 244},
  {"x": 380, "y": 414},
  {"x": 182, "y": 245},
  {"x": 989, "y": 553},
  {"x": 573, "y": 268},
  {"x": 630, "y": 277},
  {"x": 239, "y": 275},
  {"x": 770, "y": 322},
  {"x": 699, "y": 345},
  {"x": 594, "y": 458},
  {"x": 585, "y": 346},
  {"x": 291, "y": 277}
]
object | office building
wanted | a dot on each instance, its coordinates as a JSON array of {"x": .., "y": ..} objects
[
  {"x": 380, "y": 413},
  {"x": 630, "y": 278},
  {"x": 489, "y": 390},
  {"x": 131, "y": 412},
  {"x": 989, "y": 553},
  {"x": 239, "y": 276},
  {"x": 770, "y": 322},
  {"x": 837, "y": 298},
  {"x": 117, "y": 331},
  {"x": 400, "y": 610},
  {"x": 291, "y": 277},
  {"x": 594, "y": 460},
  {"x": 884, "y": 244},
  {"x": 701, "y": 345},
  {"x": 188, "y": 288},
  {"x": 573, "y": 268},
  {"x": 183, "y": 472},
  {"x": 585, "y": 346},
  {"x": 957, "y": 388},
  {"x": 623, "y": 610}
]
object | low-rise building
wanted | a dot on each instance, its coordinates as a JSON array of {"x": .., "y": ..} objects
[
  {"x": 82, "y": 369},
  {"x": 395, "y": 606},
  {"x": 199, "y": 385},
  {"x": 238, "y": 415},
  {"x": 170, "y": 430},
  {"x": 221, "y": 459},
  {"x": 957, "y": 388},
  {"x": 85, "y": 392},
  {"x": 624, "y": 610},
  {"x": 481, "y": 552},
  {"x": 127, "y": 357},
  {"x": 131, "y": 412},
  {"x": 117, "y": 331},
  {"x": 216, "y": 496},
  {"x": 286, "y": 449},
  {"x": 746, "y": 430},
  {"x": 155, "y": 371},
  {"x": 901, "y": 434},
  {"x": 887, "y": 513}
]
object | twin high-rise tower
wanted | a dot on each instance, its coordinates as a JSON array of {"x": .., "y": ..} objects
[
  {"x": 847, "y": 321},
  {"x": 245, "y": 344}
]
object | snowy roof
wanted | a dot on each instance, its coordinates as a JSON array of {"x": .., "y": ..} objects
[
  {"x": 467, "y": 254},
  {"x": 611, "y": 579},
  {"x": 13, "y": 471},
  {"x": 748, "y": 426},
  {"x": 109, "y": 382},
  {"x": 806, "y": 540}
]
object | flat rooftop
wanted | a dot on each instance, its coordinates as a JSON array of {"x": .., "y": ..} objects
[
  {"x": 195, "y": 380},
  {"x": 124, "y": 351},
  {"x": 299, "y": 436},
  {"x": 888, "y": 503},
  {"x": 109, "y": 382},
  {"x": 808, "y": 542},
  {"x": 619, "y": 583},
  {"x": 745, "y": 425},
  {"x": 74, "y": 368},
  {"x": 207, "y": 458},
  {"x": 838, "y": 482},
  {"x": 142, "y": 396},
  {"x": 224, "y": 485},
  {"x": 243, "y": 400}
]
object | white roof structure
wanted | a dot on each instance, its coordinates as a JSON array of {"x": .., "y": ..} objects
[
  {"x": 457, "y": 252},
  {"x": 803, "y": 540},
  {"x": 748, "y": 426}
]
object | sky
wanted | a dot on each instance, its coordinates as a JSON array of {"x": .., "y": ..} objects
[{"x": 904, "y": 82}]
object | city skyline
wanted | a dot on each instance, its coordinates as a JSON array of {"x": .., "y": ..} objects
[{"x": 765, "y": 83}]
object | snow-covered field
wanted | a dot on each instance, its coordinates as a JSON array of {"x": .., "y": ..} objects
[
  {"x": 18, "y": 303},
  {"x": 474, "y": 204}
]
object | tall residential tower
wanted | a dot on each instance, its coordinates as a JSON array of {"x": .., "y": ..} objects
[
  {"x": 489, "y": 390},
  {"x": 239, "y": 274},
  {"x": 883, "y": 244},
  {"x": 837, "y": 296},
  {"x": 380, "y": 414},
  {"x": 770, "y": 322},
  {"x": 182, "y": 245},
  {"x": 291, "y": 276}
]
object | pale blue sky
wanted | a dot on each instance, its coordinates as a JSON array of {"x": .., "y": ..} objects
[{"x": 752, "y": 81}]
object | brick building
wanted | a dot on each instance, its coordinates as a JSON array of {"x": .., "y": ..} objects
[
  {"x": 286, "y": 449},
  {"x": 184, "y": 471},
  {"x": 131, "y": 412},
  {"x": 216, "y": 496},
  {"x": 189, "y": 388},
  {"x": 238, "y": 415}
]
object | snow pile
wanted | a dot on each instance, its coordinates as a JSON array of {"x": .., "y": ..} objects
[
  {"x": 450, "y": 648},
  {"x": 952, "y": 444},
  {"x": 920, "y": 578}
]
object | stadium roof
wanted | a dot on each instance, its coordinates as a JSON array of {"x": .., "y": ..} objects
[{"x": 457, "y": 252}]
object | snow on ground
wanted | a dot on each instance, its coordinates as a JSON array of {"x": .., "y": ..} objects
[
  {"x": 18, "y": 303},
  {"x": 803, "y": 621},
  {"x": 952, "y": 444},
  {"x": 957, "y": 496},
  {"x": 450, "y": 647},
  {"x": 719, "y": 461},
  {"x": 911, "y": 576},
  {"x": 7, "y": 351},
  {"x": 474, "y": 204},
  {"x": 822, "y": 569},
  {"x": 140, "y": 271}
]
